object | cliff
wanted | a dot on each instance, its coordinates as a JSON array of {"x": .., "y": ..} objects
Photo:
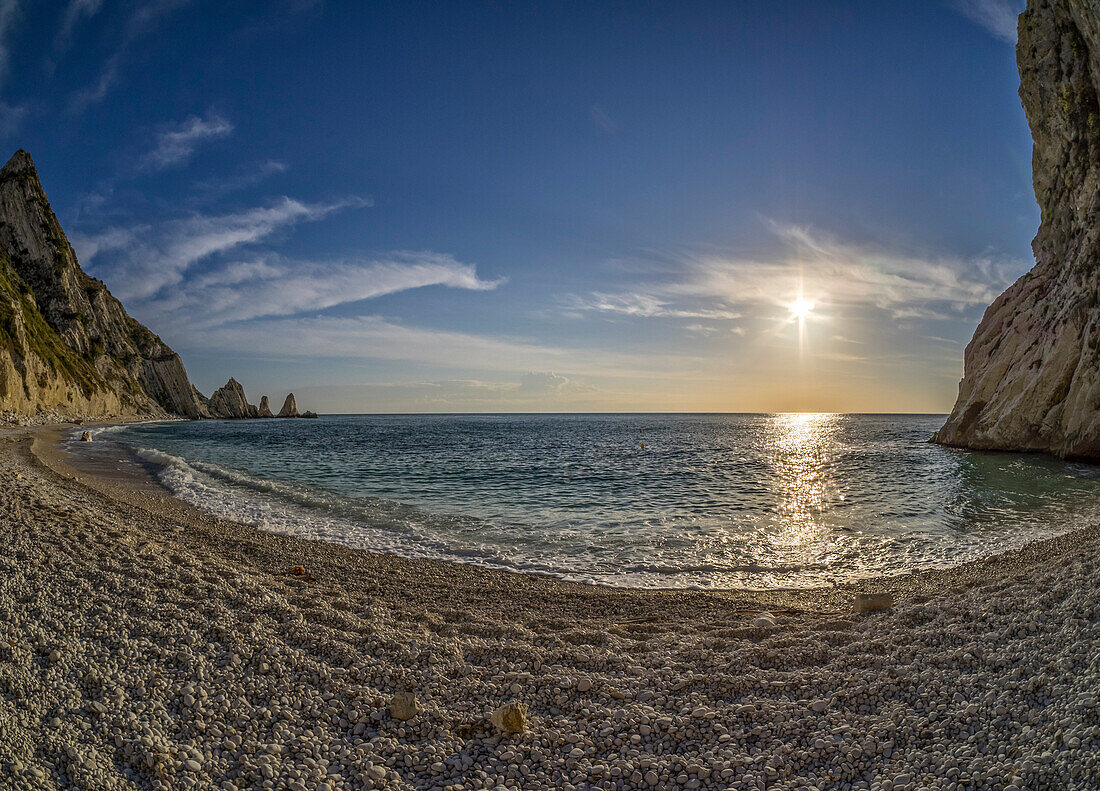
[
  {"x": 67, "y": 346},
  {"x": 1032, "y": 371}
]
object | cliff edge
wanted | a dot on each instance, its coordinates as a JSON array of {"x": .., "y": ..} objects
[
  {"x": 1032, "y": 371},
  {"x": 67, "y": 346}
]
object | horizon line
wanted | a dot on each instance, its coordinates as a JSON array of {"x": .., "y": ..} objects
[{"x": 665, "y": 412}]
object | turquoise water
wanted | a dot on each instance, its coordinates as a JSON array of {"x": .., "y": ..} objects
[{"x": 709, "y": 501}]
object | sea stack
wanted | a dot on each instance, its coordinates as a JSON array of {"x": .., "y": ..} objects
[
  {"x": 230, "y": 402},
  {"x": 264, "y": 410},
  {"x": 1032, "y": 371},
  {"x": 290, "y": 409}
]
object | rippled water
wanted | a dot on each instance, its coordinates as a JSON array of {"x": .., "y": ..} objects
[{"x": 717, "y": 501}]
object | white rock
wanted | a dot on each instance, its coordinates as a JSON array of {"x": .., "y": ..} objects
[
  {"x": 403, "y": 706},
  {"x": 510, "y": 718}
]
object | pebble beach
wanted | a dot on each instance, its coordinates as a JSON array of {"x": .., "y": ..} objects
[{"x": 146, "y": 645}]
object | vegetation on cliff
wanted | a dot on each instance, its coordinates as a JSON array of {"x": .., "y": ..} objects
[{"x": 66, "y": 344}]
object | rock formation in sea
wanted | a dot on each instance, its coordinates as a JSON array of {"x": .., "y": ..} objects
[
  {"x": 1032, "y": 371},
  {"x": 290, "y": 409},
  {"x": 230, "y": 402},
  {"x": 67, "y": 346}
]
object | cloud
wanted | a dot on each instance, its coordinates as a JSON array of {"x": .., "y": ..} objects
[
  {"x": 176, "y": 143},
  {"x": 138, "y": 261},
  {"x": 834, "y": 274},
  {"x": 96, "y": 92},
  {"x": 646, "y": 305},
  {"x": 700, "y": 329},
  {"x": 457, "y": 395},
  {"x": 144, "y": 20},
  {"x": 535, "y": 384},
  {"x": 11, "y": 116},
  {"x": 998, "y": 17},
  {"x": 242, "y": 179},
  {"x": 9, "y": 12},
  {"x": 376, "y": 337},
  {"x": 448, "y": 395},
  {"x": 246, "y": 290},
  {"x": 74, "y": 12}
]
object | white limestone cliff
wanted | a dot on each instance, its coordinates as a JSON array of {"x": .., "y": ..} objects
[{"x": 1032, "y": 371}]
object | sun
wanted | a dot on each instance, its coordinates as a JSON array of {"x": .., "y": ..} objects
[{"x": 801, "y": 308}]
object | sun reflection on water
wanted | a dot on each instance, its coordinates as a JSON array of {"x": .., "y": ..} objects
[{"x": 802, "y": 449}]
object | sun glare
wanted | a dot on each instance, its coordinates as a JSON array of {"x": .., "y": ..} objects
[{"x": 800, "y": 308}]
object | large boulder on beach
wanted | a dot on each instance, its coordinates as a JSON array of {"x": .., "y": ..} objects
[
  {"x": 229, "y": 402},
  {"x": 403, "y": 706},
  {"x": 290, "y": 409},
  {"x": 510, "y": 718},
  {"x": 1032, "y": 371}
]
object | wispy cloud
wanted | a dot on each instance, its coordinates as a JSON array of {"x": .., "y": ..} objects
[
  {"x": 647, "y": 305},
  {"x": 11, "y": 116},
  {"x": 376, "y": 337},
  {"x": 97, "y": 91},
  {"x": 177, "y": 142},
  {"x": 824, "y": 269},
  {"x": 144, "y": 20},
  {"x": 74, "y": 13},
  {"x": 138, "y": 261},
  {"x": 380, "y": 338},
  {"x": 241, "y": 179},
  {"x": 241, "y": 291},
  {"x": 543, "y": 384},
  {"x": 998, "y": 17},
  {"x": 540, "y": 390},
  {"x": 9, "y": 11}
]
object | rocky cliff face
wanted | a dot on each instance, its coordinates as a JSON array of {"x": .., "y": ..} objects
[
  {"x": 1032, "y": 370},
  {"x": 66, "y": 344}
]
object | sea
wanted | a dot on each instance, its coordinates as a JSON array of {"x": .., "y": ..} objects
[{"x": 710, "y": 501}]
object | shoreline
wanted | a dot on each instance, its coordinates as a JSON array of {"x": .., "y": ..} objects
[
  {"x": 156, "y": 499},
  {"x": 117, "y": 485},
  {"x": 149, "y": 645}
]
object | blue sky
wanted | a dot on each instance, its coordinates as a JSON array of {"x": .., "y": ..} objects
[{"x": 538, "y": 206}]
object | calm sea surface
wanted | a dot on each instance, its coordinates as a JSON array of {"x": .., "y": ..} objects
[{"x": 710, "y": 501}]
